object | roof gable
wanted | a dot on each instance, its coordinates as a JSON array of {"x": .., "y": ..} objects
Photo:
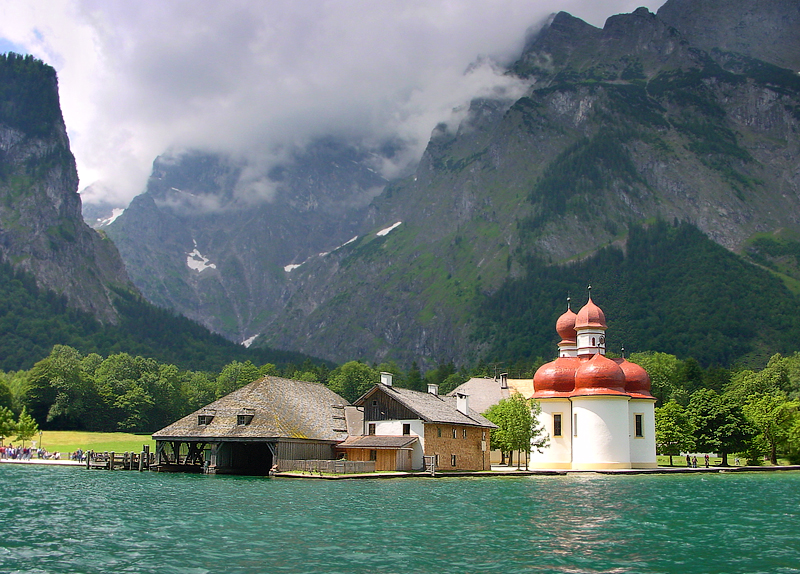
[{"x": 428, "y": 407}]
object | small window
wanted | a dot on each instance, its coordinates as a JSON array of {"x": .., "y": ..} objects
[
  {"x": 452, "y": 460},
  {"x": 439, "y": 432},
  {"x": 455, "y": 432},
  {"x": 374, "y": 403},
  {"x": 371, "y": 428},
  {"x": 437, "y": 460},
  {"x": 638, "y": 423},
  {"x": 244, "y": 419},
  {"x": 406, "y": 429},
  {"x": 575, "y": 424},
  {"x": 373, "y": 455},
  {"x": 593, "y": 342},
  {"x": 465, "y": 433},
  {"x": 557, "y": 424},
  {"x": 204, "y": 419}
]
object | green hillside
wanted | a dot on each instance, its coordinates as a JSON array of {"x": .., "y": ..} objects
[
  {"x": 32, "y": 320},
  {"x": 672, "y": 289}
]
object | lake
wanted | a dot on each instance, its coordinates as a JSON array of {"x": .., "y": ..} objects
[{"x": 74, "y": 520}]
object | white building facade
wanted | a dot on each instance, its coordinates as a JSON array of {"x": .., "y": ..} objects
[{"x": 598, "y": 412}]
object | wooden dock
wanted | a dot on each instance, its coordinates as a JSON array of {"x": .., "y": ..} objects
[{"x": 120, "y": 461}]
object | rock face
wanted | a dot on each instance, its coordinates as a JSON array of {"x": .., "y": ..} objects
[
  {"x": 619, "y": 125},
  {"x": 763, "y": 30},
  {"x": 41, "y": 228},
  {"x": 219, "y": 247}
]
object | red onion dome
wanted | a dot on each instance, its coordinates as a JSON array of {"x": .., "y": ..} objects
[
  {"x": 637, "y": 381},
  {"x": 599, "y": 376},
  {"x": 565, "y": 326},
  {"x": 590, "y": 315},
  {"x": 555, "y": 378}
]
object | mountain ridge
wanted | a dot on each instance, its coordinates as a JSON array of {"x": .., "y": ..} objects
[{"x": 619, "y": 126}]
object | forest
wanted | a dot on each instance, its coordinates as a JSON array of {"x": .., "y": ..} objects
[{"x": 670, "y": 289}]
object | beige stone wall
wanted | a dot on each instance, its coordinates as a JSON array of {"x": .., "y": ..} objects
[{"x": 470, "y": 452}]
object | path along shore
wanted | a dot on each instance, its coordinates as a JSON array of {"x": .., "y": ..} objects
[{"x": 497, "y": 470}]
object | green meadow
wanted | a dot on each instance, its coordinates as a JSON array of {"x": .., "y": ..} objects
[{"x": 70, "y": 441}]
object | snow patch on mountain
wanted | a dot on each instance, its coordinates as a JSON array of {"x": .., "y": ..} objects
[
  {"x": 386, "y": 231},
  {"x": 197, "y": 261}
]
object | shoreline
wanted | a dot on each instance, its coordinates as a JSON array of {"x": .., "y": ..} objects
[{"x": 496, "y": 471}]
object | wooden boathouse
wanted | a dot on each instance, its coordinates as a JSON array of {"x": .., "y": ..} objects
[{"x": 259, "y": 427}]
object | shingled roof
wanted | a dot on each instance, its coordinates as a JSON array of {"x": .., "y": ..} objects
[
  {"x": 274, "y": 408},
  {"x": 429, "y": 407}
]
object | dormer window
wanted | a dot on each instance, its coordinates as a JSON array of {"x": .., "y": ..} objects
[
  {"x": 244, "y": 417},
  {"x": 205, "y": 417}
]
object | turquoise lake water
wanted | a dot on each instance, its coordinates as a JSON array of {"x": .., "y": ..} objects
[{"x": 73, "y": 520}]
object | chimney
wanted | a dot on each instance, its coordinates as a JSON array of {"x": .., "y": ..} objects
[
  {"x": 462, "y": 403},
  {"x": 433, "y": 388},
  {"x": 503, "y": 380},
  {"x": 386, "y": 379}
]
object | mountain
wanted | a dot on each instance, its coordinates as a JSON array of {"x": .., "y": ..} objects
[
  {"x": 619, "y": 128},
  {"x": 219, "y": 251},
  {"x": 60, "y": 281},
  {"x": 762, "y": 30},
  {"x": 41, "y": 229}
]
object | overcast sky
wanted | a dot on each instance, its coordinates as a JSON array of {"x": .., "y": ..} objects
[{"x": 244, "y": 77}]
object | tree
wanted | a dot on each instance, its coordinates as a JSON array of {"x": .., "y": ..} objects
[
  {"x": 674, "y": 430},
  {"x": 6, "y": 399},
  {"x": 235, "y": 375},
  {"x": 774, "y": 377},
  {"x": 719, "y": 423},
  {"x": 414, "y": 379},
  {"x": 663, "y": 370},
  {"x": 773, "y": 416},
  {"x": 352, "y": 380},
  {"x": 7, "y": 424},
  {"x": 26, "y": 427},
  {"x": 518, "y": 428}
]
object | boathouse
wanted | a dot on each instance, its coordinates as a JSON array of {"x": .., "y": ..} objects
[
  {"x": 262, "y": 425},
  {"x": 401, "y": 428}
]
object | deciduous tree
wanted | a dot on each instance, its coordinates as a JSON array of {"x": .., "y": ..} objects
[
  {"x": 719, "y": 424},
  {"x": 518, "y": 428},
  {"x": 674, "y": 430},
  {"x": 773, "y": 416},
  {"x": 7, "y": 424}
]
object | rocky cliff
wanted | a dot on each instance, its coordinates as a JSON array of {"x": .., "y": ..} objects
[{"x": 41, "y": 228}]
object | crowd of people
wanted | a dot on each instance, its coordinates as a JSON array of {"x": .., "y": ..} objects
[{"x": 11, "y": 452}]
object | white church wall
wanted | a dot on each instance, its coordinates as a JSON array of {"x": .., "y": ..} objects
[
  {"x": 600, "y": 432},
  {"x": 643, "y": 448},
  {"x": 558, "y": 454}
]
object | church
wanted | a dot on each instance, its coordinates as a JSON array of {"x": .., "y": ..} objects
[{"x": 597, "y": 411}]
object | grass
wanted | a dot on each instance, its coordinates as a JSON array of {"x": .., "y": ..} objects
[{"x": 70, "y": 441}]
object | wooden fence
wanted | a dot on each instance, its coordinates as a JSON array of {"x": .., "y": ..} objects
[{"x": 328, "y": 466}]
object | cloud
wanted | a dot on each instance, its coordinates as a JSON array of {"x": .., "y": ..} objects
[{"x": 250, "y": 78}]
